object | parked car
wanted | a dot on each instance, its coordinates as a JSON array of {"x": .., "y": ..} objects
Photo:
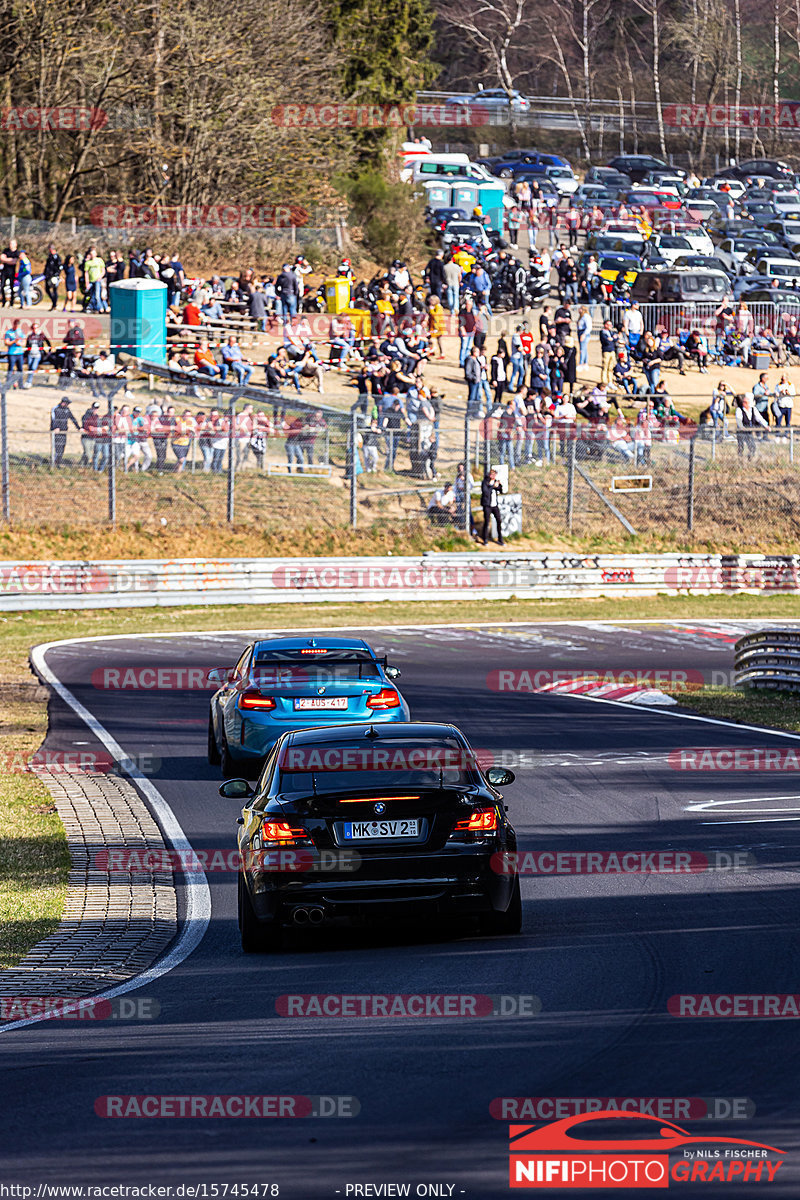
[
  {"x": 756, "y": 256},
  {"x": 636, "y": 166},
  {"x": 755, "y": 168},
  {"x": 671, "y": 245},
  {"x": 609, "y": 178},
  {"x": 702, "y": 262},
  {"x": 437, "y": 218},
  {"x": 459, "y": 232},
  {"x": 592, "y": 193},
  {"x": 681, "y": 286},
  {"x": 665, "y": 181},
  {"x": 733, "y": 251}
]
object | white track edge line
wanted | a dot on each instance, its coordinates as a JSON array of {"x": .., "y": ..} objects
[{"x": 198, "y": 895}]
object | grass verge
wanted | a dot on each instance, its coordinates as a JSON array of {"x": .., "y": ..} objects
[
  {"x": 745, "y": 706},
  {"x": 34, "y": 860},
  {"x": 33, "y": 854}
]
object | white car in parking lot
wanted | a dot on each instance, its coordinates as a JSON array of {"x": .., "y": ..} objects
[{"x": 671, "y": 245}]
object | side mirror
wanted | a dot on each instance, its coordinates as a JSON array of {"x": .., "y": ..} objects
[
  {"x": 497, "y": 776},
  {"x": 236, "y": 789},
  {"x": 392, "y": 672},
  {"x": 219, "y": 674}
]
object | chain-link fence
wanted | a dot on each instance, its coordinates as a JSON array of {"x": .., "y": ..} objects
[{"x": 89, "y": 452}]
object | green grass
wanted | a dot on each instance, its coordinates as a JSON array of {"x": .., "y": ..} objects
[
  {"x": 745, "y": 706},
  {"x": 33, "y": 853},
  {"x": 34, "y": 859}
]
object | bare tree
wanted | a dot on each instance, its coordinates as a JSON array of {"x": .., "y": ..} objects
[
  {"x": 492, "y": 28},
  {"x": 653, "y": 10}
]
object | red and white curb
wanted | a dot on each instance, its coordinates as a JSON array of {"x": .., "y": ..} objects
[{"x": 608, "y": 691}]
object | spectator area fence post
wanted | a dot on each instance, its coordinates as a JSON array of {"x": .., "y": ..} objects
[
  {"x": 570, "y": 483},
  {"x": 714, "y": 444},
  {"x": 791, "y": 445},
  {"x": 231, "y": 456},
  {"x": 690, "y": 497},
  {"x": 467, "y": 489},
  {"x": 112, "y": 464},
  {"x": 4, "y": 452},
  {"x": 353, "y": 476},
  {"x": 52, "y": 448}
]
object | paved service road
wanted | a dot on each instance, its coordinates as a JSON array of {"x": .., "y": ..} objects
[{"x": 603, "y": 953}]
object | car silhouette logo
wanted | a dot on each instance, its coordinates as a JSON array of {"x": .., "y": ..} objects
[
  {"x": 380, "y": 807},
  {"x": 561, "y": 1136}
]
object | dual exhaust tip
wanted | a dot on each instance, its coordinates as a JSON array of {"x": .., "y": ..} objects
[{"x": 308, "y": 916}]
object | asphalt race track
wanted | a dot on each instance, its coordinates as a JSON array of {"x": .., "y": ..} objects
[{"x": 602, "y": 952}]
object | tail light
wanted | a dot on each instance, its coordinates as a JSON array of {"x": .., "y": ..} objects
[
  {"x": 252, "y": 699},
  {"x": 483, "y": 820},
  {"x": 283, "y": 833},
  {"x": 385, "y": 698}
]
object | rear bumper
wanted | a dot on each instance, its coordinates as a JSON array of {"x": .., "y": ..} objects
[{"x": 454, "y": 881}]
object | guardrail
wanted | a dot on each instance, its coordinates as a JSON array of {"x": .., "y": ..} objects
[
  {"x": 495, "y": 576},
  {"x": 769, "y": 658}
]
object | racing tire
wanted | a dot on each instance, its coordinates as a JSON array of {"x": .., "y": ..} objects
[
  {"x": 213, "y": 748},
  {"x": 227, "y": 764},
  {"x": 256, "y": 938},
  {"x": 499, "y": 924}
]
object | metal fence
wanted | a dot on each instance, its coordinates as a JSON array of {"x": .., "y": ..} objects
[{"x": 186, "y": 456}]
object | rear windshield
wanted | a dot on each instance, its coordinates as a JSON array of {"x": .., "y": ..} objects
[
  {"x": 274, "y": 668},
  {"x": 353, "y": 764},
  {"x": 701, "y": 282}
]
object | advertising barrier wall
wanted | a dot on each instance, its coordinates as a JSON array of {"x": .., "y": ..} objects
[{"x": 500, "y": 576}]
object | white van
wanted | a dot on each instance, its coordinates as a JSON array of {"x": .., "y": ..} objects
[{"x": 448, "y": 166}]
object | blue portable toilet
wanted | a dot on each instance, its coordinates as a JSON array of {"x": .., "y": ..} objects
[{"x": 139, "y": 319}]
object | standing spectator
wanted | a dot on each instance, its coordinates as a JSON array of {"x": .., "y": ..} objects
[
  {"x": 35, "y": 344},
  {"x": 452, "y": 279},
  {"x": 8, "y": 271},
  {"x": 744, "y": 326},
  {"x": 219, "y": 441},
  {"x": 90, "y": 430},
  {"x": 748, "y": 423},
  {"x": 783, "y": 406},
  {"x": 371, "y": 444},
  {"x": 94, "y": 270},
  {"x": 52, "y": 275},
  {"x": 394, "y": 422},
  {"x": 203, "y": 430},
  {"x": 244, "y": 428},
  {"x": 181, "y": 439},
  {"x": 294, "y": 446},
  {"x": 24, "y": 280},
  {"x": 584, "y": 331},
  {"x": 121, "y": 432},
  {"x": 498, "y": 374},
  {"x": 141, "y": 432},
  {"x": 434, "y": 274},
  {"x": 60, "y": 417},
  {"x": 651, "y": 362},
  {"x": 468, "y": 324},
  {"x": 761, "y": 397},
  {"x": 257, "y": 307},
  {"x": 74, "y": 346},
  {"x": 286, "y": 293},
  {"x": 507, "y": 435},
  {"x": 14, "y": 341},
  {"x": 70, "y": 282},
  {"x": 491, "y": 491},
  {"x": 719, "y": 408},
  {"x": 633, "y": 325},
  {"x": 436, "y": 323},
  {"x": 609, "y": 341},
  {"x": 115, "y": 269},
  {"x": 159, "y": 431},
  {"x": 102, "y": 445}
]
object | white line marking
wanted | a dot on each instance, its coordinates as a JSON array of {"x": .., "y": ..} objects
[{"x": 198, "y": 896}]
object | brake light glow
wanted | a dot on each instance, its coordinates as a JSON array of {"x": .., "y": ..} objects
[
  {"x": 253, "y": 699},
  {"x": 320, "y": 650},
  {"x": 281, "y": 831},
  {"x": 482, "y": 821},
  {"x": 374, "y": 799},
  {"x": 385, "y": 698}
]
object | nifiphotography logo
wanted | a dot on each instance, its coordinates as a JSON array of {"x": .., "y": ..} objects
[{"x": 587, "y": 1151}]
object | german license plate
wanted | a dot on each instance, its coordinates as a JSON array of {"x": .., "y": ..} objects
[
  {"x": 359, "y": 830},
  {"x": 325, "y": 703}
]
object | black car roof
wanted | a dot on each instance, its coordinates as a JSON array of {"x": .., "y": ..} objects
[{"x": 393, "y": 731}]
